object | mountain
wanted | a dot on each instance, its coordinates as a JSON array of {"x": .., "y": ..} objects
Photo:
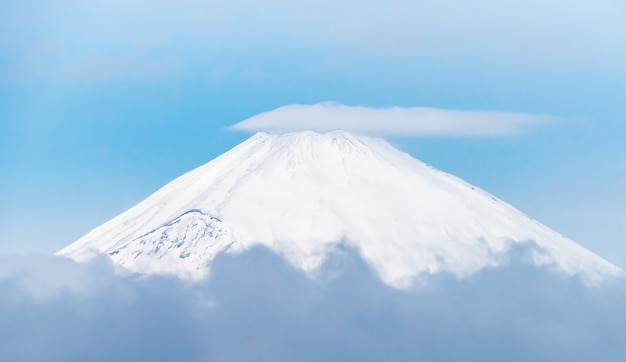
[{"x": 302, "y": 195}]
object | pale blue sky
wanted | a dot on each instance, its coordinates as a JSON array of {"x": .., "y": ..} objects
[{"x": 102, "y": 102}]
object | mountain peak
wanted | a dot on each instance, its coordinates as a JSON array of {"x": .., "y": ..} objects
[
  {"x": 341, "y": 139},
  {"x": 303, "y": 194}
]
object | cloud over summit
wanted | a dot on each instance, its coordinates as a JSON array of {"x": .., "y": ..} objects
[{"x": 400, "y": 121}]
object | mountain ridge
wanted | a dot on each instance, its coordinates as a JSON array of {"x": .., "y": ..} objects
[{"x": 300, "y": 194}]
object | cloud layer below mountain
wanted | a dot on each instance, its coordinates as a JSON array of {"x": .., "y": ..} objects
[{"x": 254, "y": 306}]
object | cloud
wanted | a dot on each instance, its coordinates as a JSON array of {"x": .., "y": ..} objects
[
  {"x": 323, "y": 117},
  {"x": 255, "y": 306}
]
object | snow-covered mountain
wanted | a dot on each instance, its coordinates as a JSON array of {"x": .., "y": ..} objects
[{"x": 304, "y": 194}]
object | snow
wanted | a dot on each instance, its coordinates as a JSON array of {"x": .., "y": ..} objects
[{"x": 302, "y": 194}]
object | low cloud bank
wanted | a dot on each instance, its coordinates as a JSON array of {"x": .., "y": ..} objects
[
  {"x": 255, "y": 306},
  {"x": 412, "y": 121}
]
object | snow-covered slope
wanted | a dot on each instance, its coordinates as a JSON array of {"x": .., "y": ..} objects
[{"x": 302, "y": 194}]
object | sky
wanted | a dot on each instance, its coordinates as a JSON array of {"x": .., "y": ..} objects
[{"x": 103, "y": 102}]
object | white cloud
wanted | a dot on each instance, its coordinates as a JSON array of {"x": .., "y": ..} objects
[
  {"x": 256, "y": 307},
  {"x": 412, "y": 121}
]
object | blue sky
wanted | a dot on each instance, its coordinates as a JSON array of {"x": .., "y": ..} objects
[{"x": 103, "y": 102}]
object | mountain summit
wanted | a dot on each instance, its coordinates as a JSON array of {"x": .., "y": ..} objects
[{"x": 304, "y": 194}]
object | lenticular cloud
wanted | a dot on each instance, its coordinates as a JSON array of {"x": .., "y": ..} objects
[{"x": 413, "y": 121}]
